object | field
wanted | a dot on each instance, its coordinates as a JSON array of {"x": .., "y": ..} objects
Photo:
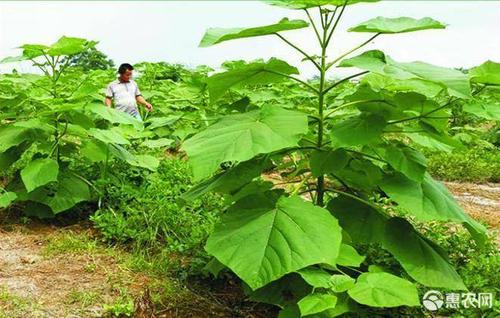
[{"x": 250, "y": 191}]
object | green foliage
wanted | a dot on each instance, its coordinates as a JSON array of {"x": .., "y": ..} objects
[
  {"x": 355, "y": 154},
  {"x": 248, "y": 135},
  {"x": 266, "y": 229},
  {"x": 384, "y": 290},
  {"x": 474, "y": 164},
  {"x": 53, "y": 127},
  {"x": 142, "y": 210},
  {"x": 218, "y": 35},
  {"x": 91, "y": 59},
  {"x": 397, "y": 25}
]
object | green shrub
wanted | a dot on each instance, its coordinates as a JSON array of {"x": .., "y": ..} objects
[
  {"x": 473, "y": 165},
  {"x": 142, "y": 210},
  {"x": 478, "y": 267}
]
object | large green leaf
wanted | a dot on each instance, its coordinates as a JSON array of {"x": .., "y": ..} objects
[
  {"x": 11, "y": 136},
  {"x": 108, "y": 136},
  {"x": 456, "y": 82},
  {"x": 70, "y": 191},
  {"x": 218, "y": 35},
  {"x": 68, "y": 46},
  {"x": 384, "y": 290},
  {"x": 158, "y": 143},
  {"x": 39, "y": 172},
  {"x": 427, "y": 201},
  {"x": 359, "y": 130},
  {"x": 113, "y": 115},
  {"x": 361, "y": 174},
  {"x": 6, "y": 199},
  {"x": 31, "y": 51},
  {"x": 143, "y": 161},
  {"x": 10, "y": 156},
  {"x": 305, "y": 4},
  {"x": 378, "y": 82},
  {"x": 418, "y": 257},
  {"x": 316, "y": 303},
  {"x": 341, "y": 283},
  {"x": 348, "y": 256},
  {"x": 282, "y": 292},
  {"x": 256, "y": 73},
  {"x": 363, "y": 222},
  {"x": 486, "y": 73},
  {"x": 397, "y": 25},
  {"x": 261, "y": 238},
  {"x": 406, "y": 160},
  {"x": 486, "y": 110},
  {"x": 241, "y": 137},
  {"x": 331, "y": 161},
  {"x": 316, "y": 277},
  {"x": 228, "y": 181},
  {"x": 94, "y": 150}
]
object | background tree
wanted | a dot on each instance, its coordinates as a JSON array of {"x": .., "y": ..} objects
[{"x": 91, "y": 59}]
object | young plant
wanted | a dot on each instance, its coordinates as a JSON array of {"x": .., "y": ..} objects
[
  {"x": 353, "y": 177},
  {"x": 54, "y": 126}
]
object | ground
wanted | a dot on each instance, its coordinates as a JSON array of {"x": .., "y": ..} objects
[{"x": 49, "y": 271}]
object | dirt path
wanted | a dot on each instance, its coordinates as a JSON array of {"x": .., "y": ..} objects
[
  {"x": 481, "y": 201},
  {"x": 46, "y": 271}
]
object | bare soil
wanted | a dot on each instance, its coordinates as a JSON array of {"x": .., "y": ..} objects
[
  {"x": 62, "y": 285},
  {"x": 481, "y": 201}
]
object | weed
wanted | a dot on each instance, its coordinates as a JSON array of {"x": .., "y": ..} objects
[
  {"x": 474, "y": 164},
  {"x": 143, "y": 212},
  {"x": 69, "y": 243},
  {"x": 84, "y": 298}
]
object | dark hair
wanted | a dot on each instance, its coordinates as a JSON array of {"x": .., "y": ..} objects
[{"x": 125, "y": 67}]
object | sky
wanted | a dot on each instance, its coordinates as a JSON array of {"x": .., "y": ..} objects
[{"x": 170, "y": 31}]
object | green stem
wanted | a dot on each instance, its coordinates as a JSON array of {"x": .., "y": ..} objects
[
  {"x": 307, "y": 56},
  {"x": 320, "y": 184}
]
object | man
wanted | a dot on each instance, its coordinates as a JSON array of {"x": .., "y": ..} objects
[{"x": 125, "y": 93}]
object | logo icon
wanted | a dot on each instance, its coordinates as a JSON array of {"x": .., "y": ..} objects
[{"x": 433, "y": 300}]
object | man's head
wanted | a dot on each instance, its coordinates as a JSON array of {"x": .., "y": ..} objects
[{"x": 125, "y": 72}]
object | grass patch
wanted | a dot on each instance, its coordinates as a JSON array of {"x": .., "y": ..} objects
[
  {"x": 84, "y": 298},
  {"x": 70, "y": 243},
  {"x": 469, "y": 165},
  {"x": 13, "y": 306},
  {"x": 143, "y": 214}
]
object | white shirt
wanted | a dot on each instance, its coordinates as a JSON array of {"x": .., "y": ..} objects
[{"x": 124, "y": 95}]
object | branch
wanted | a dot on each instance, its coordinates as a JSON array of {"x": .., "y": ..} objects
[
  {"x": 343, "y": 80},
  {"x": 300, "y": 50},
  {"x": 313, "y": 25},
  {"x": 295, "y": 79},
  {"x": 422, "y": 115},
  {"x": 355, "y": 103},
  {"x": 352, "y": 50},
  {"x": 365, "y": 155},
  {"x": 336, "y": 23},
  {"x": 352, "y": 196}
]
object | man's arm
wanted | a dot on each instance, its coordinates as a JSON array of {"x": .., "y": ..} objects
[
  {"x": 108, "y": 101},
  {"x": 109, "y": 96},
  {"x": 142, "y": 101}
]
